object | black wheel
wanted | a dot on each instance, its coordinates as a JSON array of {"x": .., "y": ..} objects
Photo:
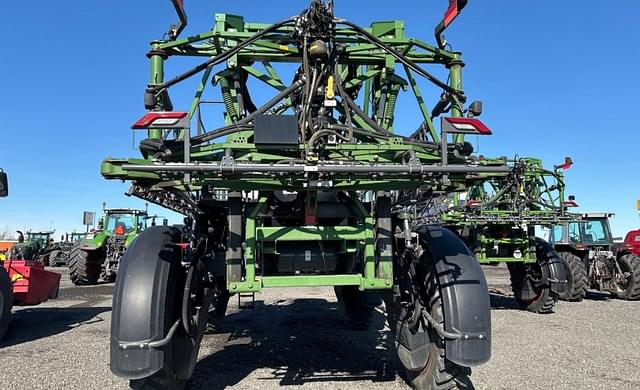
[
  {"x": 54, "y": 258},
  {"x": 434, "y": 371},
  {"x": 84, "y": 266},
  {"x": 576, "y": 277},
  {"x": 173, "y": 289},
  {"x": 166, "y": 377},
  {"x": 6, "y": 300},
  {"x": 629, "y": 282},
  {"x": 531, "y": 296},
  {"x": 529, "y": 282},
  {"x": 358, "y": 306}
]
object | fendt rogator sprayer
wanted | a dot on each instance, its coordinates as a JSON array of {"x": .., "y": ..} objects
[
  {"x": 312, "y": 187},
  {"x": 497, "y": 219},
  {"x": 22, "y": 282},
  {"x": 97, "y": 256}
]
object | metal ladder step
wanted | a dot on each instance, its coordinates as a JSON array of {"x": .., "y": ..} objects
[{"x": 248, "y": 304}]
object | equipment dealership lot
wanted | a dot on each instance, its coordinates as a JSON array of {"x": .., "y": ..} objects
[{"x": 301, "y": 342}]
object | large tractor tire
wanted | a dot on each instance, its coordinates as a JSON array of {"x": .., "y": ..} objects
[
  {"x": 528, "y": 281},
  {"x": 155, "y": 289},
  {"x": 438, "y": 373},
  {"x": 83, "y": 268},
  {"x": 358, "y": 306},
  {"x": 6, "y": 300},
  {"x": 577, "y": 280},
  {"x": 439, "y": 292},
  {"x": 629, "y": 283},
  {"x": 435, "y": 371},
  {"x": 536, "y": 299},
  {"x": 54, "y": 258}
]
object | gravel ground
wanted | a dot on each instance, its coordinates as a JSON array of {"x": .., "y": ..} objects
[{"x": 296, "y": 338}]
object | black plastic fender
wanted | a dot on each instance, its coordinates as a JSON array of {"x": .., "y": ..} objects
[
  {"x": 139, "y": 301},
  {"x": 465, "y": 298},
  {"x": 555, "y": 272}
]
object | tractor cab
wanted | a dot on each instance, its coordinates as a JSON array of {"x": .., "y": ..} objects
[
  {"x": 42, "y": 237},
  {"x": 122, "y": 222},
  {"x": 592, "y": 231},
  {"x": 77, "y": 237}
]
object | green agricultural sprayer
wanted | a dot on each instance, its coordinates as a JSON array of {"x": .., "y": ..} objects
[
  {"x": 310, "y": 186},
  {"x": 97, "y": 256},
  {"x": 497, "y": 219}
]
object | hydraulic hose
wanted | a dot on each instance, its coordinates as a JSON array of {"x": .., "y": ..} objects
[
  {"x": 374, "y": 125},
  {"x": 242, "y": 124},
  {"x": 406, "y": 140},
  {"x": 186, "y": 296},
  {"x": 400, "y": 57},
  {"x": 219, "y": 58}
]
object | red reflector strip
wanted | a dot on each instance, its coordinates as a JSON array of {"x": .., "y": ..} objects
[
  {"x": 451, "y": 12},
  {"x": 570, "y": 203},
  {"x": 158, "y": 119},
  {"x": 469, "y": 125},
  {"x": 471, "y": 203}
]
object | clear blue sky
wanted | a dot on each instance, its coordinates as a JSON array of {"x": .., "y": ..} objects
[{"x": 557, "y": 79}]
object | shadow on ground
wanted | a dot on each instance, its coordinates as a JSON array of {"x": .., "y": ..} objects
[
  {"x": 594, "y": 295},
  {"x": 301, "y": 342},
  {"x": 503, "y": 302},
  {"x": 40, "y": 322}
]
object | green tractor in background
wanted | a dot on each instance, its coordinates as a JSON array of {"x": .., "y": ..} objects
[
  {"x": 37, "y": 246},
  {"x": 97, "y": 257}
]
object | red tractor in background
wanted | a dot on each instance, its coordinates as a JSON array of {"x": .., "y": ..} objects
[
  {"x": 632, "y": 239},
  {"x": 22, "y": 282},
  {"x": 632, "y": 242}
]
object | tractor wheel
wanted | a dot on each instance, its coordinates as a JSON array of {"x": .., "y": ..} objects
[
  {"x": 576, "y": 277},
  {"x": 629, "y": 282},
  {"x": 358, "y": 306},
  {"x": 6, "y": 300},
  {"x": 166, "y": 377},
  {"x": 532, "y": 297},
  {"x": 181, "y": 351},
  {"x": 83, "y": 270},
  {"x": 53, "y": 258},
  {"x": 437, "y": 372}
]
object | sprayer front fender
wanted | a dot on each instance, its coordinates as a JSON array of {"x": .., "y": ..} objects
[
  {"x": 139, "y": 302},
  {"x": 465, "y": 299}
]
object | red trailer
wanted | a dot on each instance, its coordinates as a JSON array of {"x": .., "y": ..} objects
[{"x": 23, "y": 283}]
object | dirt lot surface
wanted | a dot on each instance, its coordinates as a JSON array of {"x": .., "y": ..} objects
[{"x": 296, "y": 338}]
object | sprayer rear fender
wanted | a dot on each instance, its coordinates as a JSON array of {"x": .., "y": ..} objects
[
  {"x": 549, "y": 258},
  {"x": 139, "y": 302},
  {"x": 465, "y": 298}
]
